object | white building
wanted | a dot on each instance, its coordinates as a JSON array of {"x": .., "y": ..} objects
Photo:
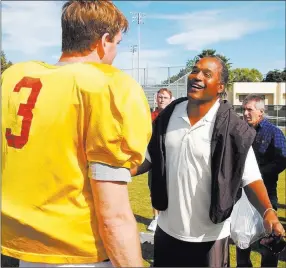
[{"x": 274, "y": 93}]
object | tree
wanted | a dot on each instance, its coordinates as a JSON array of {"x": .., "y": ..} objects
[
  {"x": 245, "y": 75},
  {"x": 4, "y": 63},
  {"x": 275, "y": 76},
  {"x": 225, "y": 60},
  {"x": 190, "y": 64},
  {"x": 207, "y": 52}
]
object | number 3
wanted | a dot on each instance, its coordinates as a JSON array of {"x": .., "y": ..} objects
[{"x": 25, "y": 110}]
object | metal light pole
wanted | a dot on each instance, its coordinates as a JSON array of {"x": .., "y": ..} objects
[
  {"x": 138, "y": 18},
  {"x": 133, "y": 49}
]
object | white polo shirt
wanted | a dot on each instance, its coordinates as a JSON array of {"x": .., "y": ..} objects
[{"x": 188, "y": 170}]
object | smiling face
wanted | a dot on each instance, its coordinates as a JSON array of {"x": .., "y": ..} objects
[{"x": 204, "y": 82}]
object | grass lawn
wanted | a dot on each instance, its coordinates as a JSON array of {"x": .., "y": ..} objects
[{"x": 140, "y": 201}]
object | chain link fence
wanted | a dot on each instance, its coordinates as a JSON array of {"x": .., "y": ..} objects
[
  {"x": 178, "y": 89},
  {"x": 155, "y": 76},
  {"x": 152, "y": 79}
]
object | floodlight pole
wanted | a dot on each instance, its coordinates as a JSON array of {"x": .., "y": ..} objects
[
  {"x": 133, "y": 49},
  {"x": 138, "y": 18}
]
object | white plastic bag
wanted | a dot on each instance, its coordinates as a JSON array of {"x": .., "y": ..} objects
[{"x": 246, "y": 223}]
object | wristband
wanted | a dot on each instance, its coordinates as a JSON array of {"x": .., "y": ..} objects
[{"x": 268, "y": 210}]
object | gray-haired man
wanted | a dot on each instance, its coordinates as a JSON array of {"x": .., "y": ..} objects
[{"x": 270, "y": 150}]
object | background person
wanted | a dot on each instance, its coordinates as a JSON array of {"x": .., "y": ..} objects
[
  {"x": 163, "y": 99},
  {"x": 270, "y": 150}
]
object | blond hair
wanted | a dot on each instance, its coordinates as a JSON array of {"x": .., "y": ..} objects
[{"x": 85, "y": 22}]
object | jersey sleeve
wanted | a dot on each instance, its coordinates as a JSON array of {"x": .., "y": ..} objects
[{"x": 119, "y": 123}]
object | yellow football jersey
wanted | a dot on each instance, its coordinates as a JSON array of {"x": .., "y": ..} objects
[{"x": 55, "y": 119}]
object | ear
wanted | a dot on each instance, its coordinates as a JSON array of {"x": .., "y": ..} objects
[
  {"x": 220, "y": 88},
  {"x": 105, "y": 39},
  {"x": 101, "y": 45}
]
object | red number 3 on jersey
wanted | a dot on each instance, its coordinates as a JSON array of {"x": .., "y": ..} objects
[{"x": 25, "y": 110}]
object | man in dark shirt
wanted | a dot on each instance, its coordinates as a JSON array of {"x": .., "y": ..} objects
[{"x": 270, "y": 150}]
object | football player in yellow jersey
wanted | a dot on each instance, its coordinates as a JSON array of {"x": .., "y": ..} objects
[{"x": 71, "y": 132}]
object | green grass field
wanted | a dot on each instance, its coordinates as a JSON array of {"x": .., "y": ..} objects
[{"x": 140, "y": 201}]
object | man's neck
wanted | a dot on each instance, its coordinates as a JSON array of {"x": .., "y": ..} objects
[
  {"x": 77, "y": 57},
  {"x": 256, "y": 126},
  {"x": 197, "y": 110}
]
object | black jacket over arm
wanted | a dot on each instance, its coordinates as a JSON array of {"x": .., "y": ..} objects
[{"x": 231, "y": 140}]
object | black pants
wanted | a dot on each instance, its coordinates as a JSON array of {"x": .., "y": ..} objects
[
  {"x": 171, "y": 252},
  {"x": 243, "y": 258}
]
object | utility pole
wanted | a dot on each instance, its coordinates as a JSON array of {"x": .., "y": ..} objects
[
  {"x": 138, "y": 17},
  {"x": 133, "y": 49}
]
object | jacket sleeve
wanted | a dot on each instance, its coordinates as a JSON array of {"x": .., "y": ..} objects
[{"x": 278, "y": 164}]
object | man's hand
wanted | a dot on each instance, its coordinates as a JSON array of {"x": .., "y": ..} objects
[
  {"x": 133, "y": 171},
  {"x": 145, "y": 167},
  {"x": 258, "y": 197},
  {"x": 272, "y": 224}
]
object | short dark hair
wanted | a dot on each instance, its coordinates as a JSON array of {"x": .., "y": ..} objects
[{"x": 85, "y": 22}]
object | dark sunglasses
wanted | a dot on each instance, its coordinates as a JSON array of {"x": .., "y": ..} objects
[{"x": 276, "y": 244}]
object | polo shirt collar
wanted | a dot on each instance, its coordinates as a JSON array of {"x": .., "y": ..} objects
[{"x": 210, "y": 116}]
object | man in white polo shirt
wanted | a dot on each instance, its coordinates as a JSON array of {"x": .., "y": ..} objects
[{"x": 201, "y": 153}]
